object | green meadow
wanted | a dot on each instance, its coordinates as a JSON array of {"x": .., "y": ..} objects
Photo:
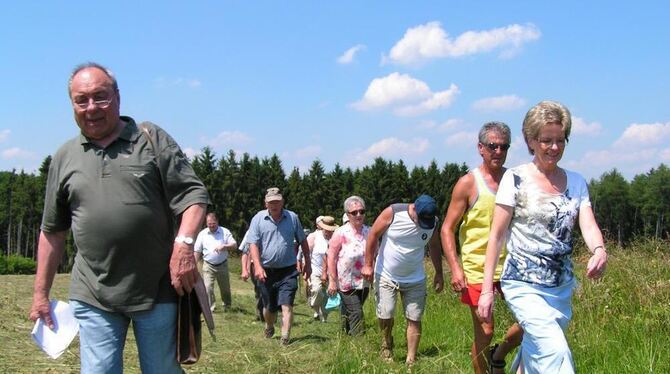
[{"x": 620, "y": 325}]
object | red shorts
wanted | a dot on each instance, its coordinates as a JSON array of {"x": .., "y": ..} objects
[{"x": 470, "y": 295}]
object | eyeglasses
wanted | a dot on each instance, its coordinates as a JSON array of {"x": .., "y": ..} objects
[
  {"x": 82, "y": 102},
  {"x": 547, "y": 143},
  {"x": 359, "y": 212},
  {"x": 494, "y": 146}
]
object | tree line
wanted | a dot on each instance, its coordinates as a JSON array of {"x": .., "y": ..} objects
[{"x": 624, "y": 209}]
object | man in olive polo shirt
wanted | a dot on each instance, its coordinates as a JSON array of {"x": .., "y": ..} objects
[{"x": 119, "y": 190}]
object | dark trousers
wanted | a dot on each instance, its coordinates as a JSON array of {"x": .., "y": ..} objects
[{"x": 351, "y": 309}]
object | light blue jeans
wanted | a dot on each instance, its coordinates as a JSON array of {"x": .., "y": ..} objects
[
  {"x": 102, "y": 337},
  {"x": 544, "y": 314}
]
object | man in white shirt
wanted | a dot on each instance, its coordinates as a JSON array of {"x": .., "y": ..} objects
[
  {"x": 212, "y": 246},
  {"x": 405, "y": 230}
]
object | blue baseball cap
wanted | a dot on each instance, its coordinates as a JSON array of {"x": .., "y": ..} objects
[{"x": 426, "y": 211}]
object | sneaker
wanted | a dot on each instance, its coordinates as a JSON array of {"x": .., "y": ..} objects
[{"x": 269, "y": 332}]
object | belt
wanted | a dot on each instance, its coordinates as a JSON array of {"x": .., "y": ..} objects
[{"x": 220, "y": 263}]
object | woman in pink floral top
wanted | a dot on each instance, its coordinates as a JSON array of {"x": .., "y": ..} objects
[{"x": 346, "y": 252}]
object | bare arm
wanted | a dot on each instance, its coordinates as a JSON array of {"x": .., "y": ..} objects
[
  {"x": 49, "y": 254},
  {"x": 334, "y": 246},
  {"x": 259, "y": 272},
  {"x": 436, "y": 259},
  {"x": 245, "y": 260},
  {"x": 378, "y": 229},
  {"x": 460, "y": 197},
  {"x": 502, "y": 216},
  {"x": 593, "y": 238},
  {"x": 183, "y": 269},
  {"x": 307, "y": 267}
]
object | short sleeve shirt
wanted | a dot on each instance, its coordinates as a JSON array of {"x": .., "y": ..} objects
[
  {"x": 121, "y": 203},
  {"x": 207, "y": 241},
  {"x": 350, "y": 257},
  {"x": 276, "y": 240},
  {"x": 540, "y": 238}
]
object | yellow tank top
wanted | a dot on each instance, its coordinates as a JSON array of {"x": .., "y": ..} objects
[{"x": 473, "y": 234}]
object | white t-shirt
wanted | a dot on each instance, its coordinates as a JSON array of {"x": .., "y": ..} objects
[
  {"x": 207, "y": 241},
  {"x": 402, "y": 249},
  {"x": 539, "y": 241},
  {"x": 318, "y": 251}
]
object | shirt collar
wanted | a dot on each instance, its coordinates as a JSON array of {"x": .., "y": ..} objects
[{"x": 130, "y": 132}]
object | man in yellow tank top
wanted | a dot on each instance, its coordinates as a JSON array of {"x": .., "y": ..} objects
[{"x": 471, "y": 206}]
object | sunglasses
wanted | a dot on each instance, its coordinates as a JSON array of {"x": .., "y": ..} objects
[
  {"x": 494, "y": 146},
  {"x": 359, "y": 212}
]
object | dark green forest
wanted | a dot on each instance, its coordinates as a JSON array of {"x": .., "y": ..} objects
[{"x": 626, "y": 210}]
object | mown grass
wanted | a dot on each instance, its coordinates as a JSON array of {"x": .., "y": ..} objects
[{"x": 620, "y": 325}]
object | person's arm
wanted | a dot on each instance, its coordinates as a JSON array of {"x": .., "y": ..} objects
[
  {"x": 307, "y": 259},
  {"x": 183, "y": 269},
  {"x": 334, "y": 247},
  {"x": 198, "y": 248},
  {"x": 51, "y": 246},
  {"x": 593, "y": 238},
  {"x": 379, "y": 227},
  {"x": 436, "y": 258},
  {"x": 502, "y": 216},
  {"x": 245, "y": 266},
  {"x": 259, "y": 272},
  {"x": 459, "y": 202}
]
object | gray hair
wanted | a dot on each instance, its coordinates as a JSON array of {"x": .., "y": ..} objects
[
  {"x": 91, "y": 65},
  {"x": 541, "y": 114},
  {"x": 494, "y": 126},
  {"x": 351, "y": 200}
]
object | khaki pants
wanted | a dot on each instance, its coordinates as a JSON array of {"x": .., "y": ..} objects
[{"x": 220, "y": 274}]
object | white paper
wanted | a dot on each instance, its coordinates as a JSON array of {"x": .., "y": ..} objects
[{"x": 55, "y": 342}]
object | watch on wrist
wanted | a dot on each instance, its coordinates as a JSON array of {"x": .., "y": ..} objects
[{"x": 184, "y": 239}]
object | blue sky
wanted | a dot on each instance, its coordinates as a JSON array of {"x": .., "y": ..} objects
[{"x": 347, "y": 81}]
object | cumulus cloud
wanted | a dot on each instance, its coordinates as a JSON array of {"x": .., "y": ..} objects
[
  {"x": 391, "y": 148},
  {"x": 499, "y": 103},
  {"x": 349, "y": 55},
  {"x": 580, "y": 126},
  {"x": 229, "y": 139},
  {"x": 430, "y": 41},
  {"x": 162, "y": 82},
  {"x": 406, "y": 96},
  {"x": 4, "y": 135},
  {"x": 17, "y": 153},
  {"x": 644, "y": 135},
  {"x": 639, "y": 148}
]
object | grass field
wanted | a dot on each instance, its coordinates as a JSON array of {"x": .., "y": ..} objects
[{"x": 620, "y": 325}]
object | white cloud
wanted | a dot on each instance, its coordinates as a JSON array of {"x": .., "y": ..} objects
[
  {"x": 4, "y": 135},
  {"x": 406, "y": 95},
  {"x": 499, "y": 103},
  {"x": 461, "y": 138},
  {"x": 391, "y": 148},
  {"x": 190, "y": 152},
  {"x": 430, "y": 41},
  {"x": 17, "y": 153},
  {"x": 162, "y": 82},
  {"x": 308, "y": 152},
  {"x": 348, "y": 56},
  {"x": 580, "y": 126},
  {"x": 228, "y": 139},
  {"x": 644, "y": 135}
]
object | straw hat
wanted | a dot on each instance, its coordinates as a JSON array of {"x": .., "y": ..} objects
[{"x": 327, "y": 223}]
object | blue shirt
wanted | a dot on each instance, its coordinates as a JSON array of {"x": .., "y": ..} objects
[{"x": 276, "y": 240}]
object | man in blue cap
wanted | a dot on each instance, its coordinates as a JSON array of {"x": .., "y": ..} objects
[{"x": 404, "y": 230}]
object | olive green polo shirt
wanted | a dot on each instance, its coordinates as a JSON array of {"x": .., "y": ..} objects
[{"x": 121, "y": 202}]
